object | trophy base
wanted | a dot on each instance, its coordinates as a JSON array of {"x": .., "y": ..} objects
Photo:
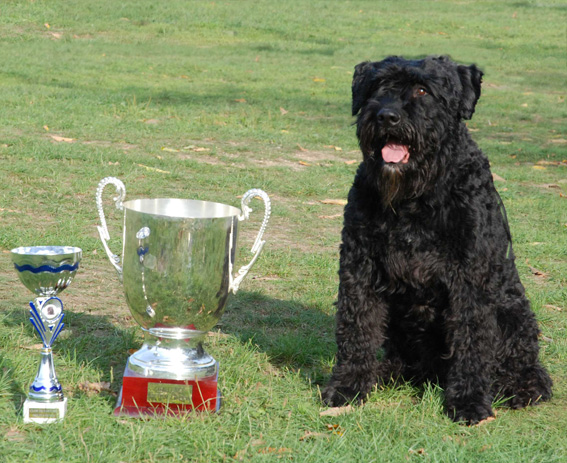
[
  {"x": 142, "y": 396},
  {"x": 44, "y": 412}
]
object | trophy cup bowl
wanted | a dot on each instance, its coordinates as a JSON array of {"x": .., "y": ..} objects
[
  {"x": 46, "y": 271},
  {"x": 177, "y": 273}
]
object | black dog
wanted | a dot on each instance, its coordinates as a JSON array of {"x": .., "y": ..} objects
[{"x": 427, "y": 270}]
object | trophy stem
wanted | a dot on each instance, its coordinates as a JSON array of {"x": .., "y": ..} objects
[
  {"x": 45, "y": 402},
  {"x": 46, "y": 387}
]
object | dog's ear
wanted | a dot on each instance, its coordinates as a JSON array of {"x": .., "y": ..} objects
[
  {"x": 362, "y": 80},
  {"x": 471, "y": 78}
]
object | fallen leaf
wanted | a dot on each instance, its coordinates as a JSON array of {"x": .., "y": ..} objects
[
  {"x": 47, "y": 25},
  {"x": 544, "y": 338},
  {"x": 266, "y": 278},
  {"x": 318, "y": 79},
  {"x": 551, "y": 163},
  {"x": 486, "y": 420},
  {"x": 337, "y": 202},
  {"x": 62, "y": 139},
  {"x": 283, "y": 111},
  {"x": 335, "y": 428},
  {"x": 538, "y": 167},
  {"x": 554, "y": 307},
  {"x": 336, "y": 411},
  {"x": 170, "y": 150},
  {"x": 14, "y": 435},
  {"x": 352, "y": 161},
  {"x": 32, "y": 347},
  {"x": 303, "y": 163},
  {"x": 558, "y": 140},
  {"x": 334, "y": 216},
  {"x": 95, "y": 388},
  {"x": 497, "y": 178},
  {"x": 46, "y": 128},
  {"x": 56, "y": 35},
  {"x": 154, "y": 169},
  {"x": 313, "y": 435},
  {"x": 196, "y": 149},
  {"x": 301, "y": 148},
  {"x": 274, "y": 450},
  {"x": 151, "y": 121},
  {"x": 240, "y": 100},
  {"x": 217, "y": 334},
  {"x": 538, "y": 273}
]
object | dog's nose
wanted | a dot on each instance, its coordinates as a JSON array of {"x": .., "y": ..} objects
[{"x": 388, "y": 117}]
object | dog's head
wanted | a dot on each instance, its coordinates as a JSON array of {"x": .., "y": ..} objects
[{"x": 406, "y": 110}]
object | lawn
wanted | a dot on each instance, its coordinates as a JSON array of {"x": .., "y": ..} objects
[{"x": 205, "y": 100}]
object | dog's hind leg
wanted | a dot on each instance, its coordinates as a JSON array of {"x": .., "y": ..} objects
[{"x": 520, "y": 379}]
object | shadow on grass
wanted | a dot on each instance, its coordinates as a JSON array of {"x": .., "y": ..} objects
[
  {"x": 87, "y": 340},
  {"x": 293, "y": 335}
]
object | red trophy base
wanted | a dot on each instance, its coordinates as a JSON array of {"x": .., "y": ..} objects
[{"x": 143, "y": 396}]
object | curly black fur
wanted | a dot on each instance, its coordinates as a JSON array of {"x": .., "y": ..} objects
[{"x": 426, "y": 266}]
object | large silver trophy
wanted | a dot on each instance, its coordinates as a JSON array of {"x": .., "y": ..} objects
[
  {"x": 46, "y": 271},
  {"x": 177, "y": 272}
]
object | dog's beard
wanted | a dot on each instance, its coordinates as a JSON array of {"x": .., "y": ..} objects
[
  {"x": 391, "y": 184},
  {"x": 399, "y": 181},
  {"x": 393, "y": 180}
]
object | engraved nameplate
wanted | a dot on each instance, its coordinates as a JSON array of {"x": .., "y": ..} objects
[
  {"x": 44, "y": 413},
  {"x": 166, "y": 393}
]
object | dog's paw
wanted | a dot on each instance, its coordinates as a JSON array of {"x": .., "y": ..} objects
[
  {"x": 470, "y": 414},
  {"x": 532, "y": 396},
  {"x": 336, "y": 396},
  {"x": 532, "y": 386}
]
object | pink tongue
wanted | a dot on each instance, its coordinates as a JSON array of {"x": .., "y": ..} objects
[{"x": 393, "y": 152}]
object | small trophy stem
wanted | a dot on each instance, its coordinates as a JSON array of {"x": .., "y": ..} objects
[
  {"x": 45, "y": 402},
  {"x": 46, "y": 387}
]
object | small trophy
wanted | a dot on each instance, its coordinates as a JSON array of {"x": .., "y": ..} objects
[
  {"x": 46, "y": 271},
  {"x": 177, "y": 271}
]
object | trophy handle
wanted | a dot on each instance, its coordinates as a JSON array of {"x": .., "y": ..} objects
[
  {"x": 102, "y": 228},
  {"x": 258, "y": 242}
]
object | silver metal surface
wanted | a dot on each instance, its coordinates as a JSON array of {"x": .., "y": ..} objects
[
  {"x": 46, "y": 271},
  {"x": 177, "y": 272}
]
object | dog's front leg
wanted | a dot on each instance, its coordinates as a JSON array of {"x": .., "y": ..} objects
[
  {"x": 470, "y": 328},
  {"x": 361, "y": 315}
]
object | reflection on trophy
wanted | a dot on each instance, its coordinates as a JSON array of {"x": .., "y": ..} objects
[
  {"x": 46, "y": 271},
  {"x": 177, "y": 273}
]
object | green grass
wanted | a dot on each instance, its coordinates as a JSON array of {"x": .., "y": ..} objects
[{"x": 204, "y": 100}]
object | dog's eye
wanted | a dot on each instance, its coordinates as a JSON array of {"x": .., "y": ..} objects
[{"x": 419, "y": 91}]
